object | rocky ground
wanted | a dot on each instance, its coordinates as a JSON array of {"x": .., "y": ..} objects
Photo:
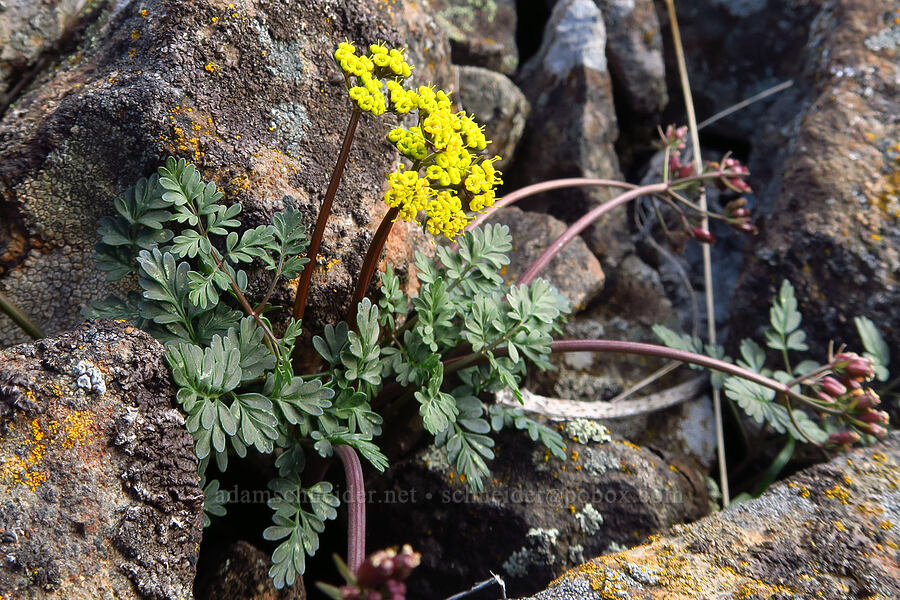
[{"x": 95, "y": 93}]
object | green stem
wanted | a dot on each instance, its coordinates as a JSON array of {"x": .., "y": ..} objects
[
  {"x": 324, "y": 212},
  {"x": 19, "y": 318}
]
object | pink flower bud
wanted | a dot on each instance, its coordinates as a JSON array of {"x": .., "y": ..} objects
[
  {"x": 854, "y": 366},
  {"x": 875, "y": 416},
  {"x": 702, "y": 235},
  {"x": 396, "y": 590},
  {"x": 833, "y": 387},
  {"x": 684, "y": 171},
  {"x": 406, "y": 561},
  {"x": 865, "y": 399},
  {"x": 873, "y": 429},
  {"x": 350, "y": 592},
  {"x": 843, "y": 438}
]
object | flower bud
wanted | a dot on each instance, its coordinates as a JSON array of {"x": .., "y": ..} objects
[
  {"x": 735, "y": 205},
  {"x": 869, "y": 399},
  {"x": 350, "y": 592},
  {"x": 376, "y": 569},
  {"x": 851, "y": 384},
  {"x": 406, "y": 561},
  {"x": 396, "y": 590},
  {"x": 854, "y": 366},
  {"x": 702, "y": 235},
  {"x": 833, "y": 387},
  {"x": 874, "y": 416},
  {"x": 825, "y": 398},
  {"x": 748, "y": 228},
  {"x": 684, "y": 171},
  {"x": 843, "y": 438},
  {"x": 873, "y": 429}
]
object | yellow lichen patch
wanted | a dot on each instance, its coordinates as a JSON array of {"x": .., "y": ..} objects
[
  {"x": 211, "y": 67},
  {"x": 886, "y": 525},
  {"x": 76, "y": 429},
  {"x": 838, "y": 493},
  {"x": 23, "y": 468}
]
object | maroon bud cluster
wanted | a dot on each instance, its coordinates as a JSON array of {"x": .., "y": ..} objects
[
  {"x": 737, "y": 183},
  {"x": 738, "y": 216},
  {"x": 674, "y": 136},
  {"x": 678, "y": 169},
  {"x": 381, "y": 575},
  {"x": 843, "y": 389},
  {"x": 853, "y": 366},
  {"x": 842, "y": 440}
]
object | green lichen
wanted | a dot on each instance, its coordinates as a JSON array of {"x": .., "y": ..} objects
[
  {"x": 583, "y": 431},
  {"x": 589, "y": 519}
]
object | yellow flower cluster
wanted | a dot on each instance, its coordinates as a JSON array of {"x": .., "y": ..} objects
[
  {"x": 449, "y": 171},
  {"x": 367, "y": 73}
]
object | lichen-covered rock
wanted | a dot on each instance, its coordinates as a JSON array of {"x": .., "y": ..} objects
[
  {"x": 243, "y": 574},
  {"x": 481, "y": 32},
  {"x": 573, "y": 123},
  {"x": 248, "y": 91},
  {"x": 633, "y": 300},
  {"x": 101, "y": 497},
  {"x": 634, "y": 51},
  {"x": 30, "y": 31},
  {"x": 832, "y": 198},
  {"x": 537, "y": 516},
  {"x": 575, "y": 271},
  {"x": 830, "y": 532},
  {"x": 497, "y": 104}
]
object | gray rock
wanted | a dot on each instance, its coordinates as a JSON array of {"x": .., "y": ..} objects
[
  {"x": 829, "y": 532},
  {"x": 536, "y": 517},
  {"x": 829, "y": 193},
  {"x": 101, "y": 494},
  {"x": 32, "y": 32},
  {"x": 482, "y": 32},
  {"x": 575, "y": 271},
  {"x": 250, "y": 94},
  {"x": 573, "y": 123},
  {"x": 634, "y": 50},
  {"x": 499, "y": 105}
]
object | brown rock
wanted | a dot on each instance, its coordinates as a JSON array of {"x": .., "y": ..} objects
[
  {"x": 497, "y": 104},
  {"x": 101, "y": 493},
  {"x": 575, "y": 271},
  {"x": 250, "y": 94}
]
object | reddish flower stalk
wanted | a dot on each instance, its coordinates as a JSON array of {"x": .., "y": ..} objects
[
  {"x": 324, "y": 212},
  {"x": 356, "y": 506},
  {"x": 581, "y": 224},
  {"x": 546, "y": 186},
  {"x": 370, "y": 262}
]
